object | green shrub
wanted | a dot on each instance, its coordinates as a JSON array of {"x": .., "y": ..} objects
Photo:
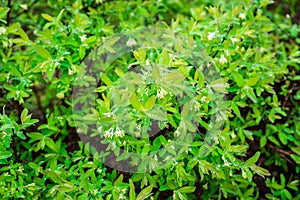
[{"x": 149, "y": 100}]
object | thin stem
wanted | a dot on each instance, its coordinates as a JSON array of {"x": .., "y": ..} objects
[
  {"x": 230, "y": 28},
  {"x": 9, "y": 12}
]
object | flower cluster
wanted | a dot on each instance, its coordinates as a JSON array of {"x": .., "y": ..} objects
[
  {"x": 114, "y": 132},
  {"x": 161, "y": 93}
]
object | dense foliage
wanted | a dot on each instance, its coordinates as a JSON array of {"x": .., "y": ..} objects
[{"x": 233, "y": 132}]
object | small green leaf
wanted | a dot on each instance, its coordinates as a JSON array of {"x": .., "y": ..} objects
[
  {"x": 119, "y": 180},
  {"x": 5, "y": 154},
  {"x": 238, "y": 78},
  {"x": 24, "y": 115},
  {"x": 3, "y": 12},
  {"x": 251, "y": 94},
  {"x": 23, "y": 34},
  {"x": 53, "y": 176},
  {"x": 252, "y": 81},
  {"x": 150, "y": 103},
  {"x": 253, "y": 159},
  {"x": 132, "y": 195},
  {"x": 187, "y": 189},
  {"x": 283, "y": 138},
  {"x": 185, "y": 111},
  {"x": 157, "y": 114},
  {"x": 260, "y": 171},
  {"x": 7, "y": 140},
  {"x": 236, "y": 110},
  {"x": 35, "y": 135},
  {"x": 296, "y": 158},
  {"x": 155, "y": 72},
  {"x": 44, "y": 53},
  {"x": 219, "y": 85},
  {"x": 21, "y": 135},
  {"x": 47, "y": 17},
  {"x": 135, "y": 102},
  {"x": 294, "y": 31},
  {"x": 145, "y": 193},
  {"x": 106, "y": 80}
]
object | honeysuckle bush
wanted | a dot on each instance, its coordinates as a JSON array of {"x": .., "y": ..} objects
[{"x": 252, "y": 49}]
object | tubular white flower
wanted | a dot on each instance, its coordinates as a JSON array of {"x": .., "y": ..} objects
[
  {"x": 242, "y": 16},
  {"x": 119, "y": 133},
  {"x": 223, "y": 59},
  {"x": 2, "y": 30},
  {"x": 211, "y": 35},
  {"x": 161, "y": 93},
  {"x": 131, "y": 42},
  {"x": 82, "y": 38},
  {"x": 109, "y": 133},
  {"x": 234, "y": 40}
]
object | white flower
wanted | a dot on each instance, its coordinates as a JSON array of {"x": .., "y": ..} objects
[
  {"x": 234, "y": 40},
  {"x": 211, "y": 35},
  {"x": 107, "y": 114},
  {"x": 109, "y": 133},
  {"x": 223, "y": 59},
  {"x": 227, "y": 52},
  {"x": 2, "y": 30},
  {"x": 131, "y": 42},
  {"x": 242, "y": 16},
  {"x": 161, "y": 93},
  {"x": 99, "y": 129},
  {"x": 83, "y": 38},
  {"x": 204, "y": 98},
  {"x": 119, "y": 133}
]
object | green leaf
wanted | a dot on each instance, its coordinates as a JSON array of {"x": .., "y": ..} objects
[
  {"x": 106, "y": 120},
  {"x": 263, "y": 141},
  {"x": 145, "y": 193},
  {"x": 155, "y": 72},
  {"x": 187, "y": 189},
  {"x": 21, "y": 135},
  {"x": 252, "y": 81},
  {"x": 157, "y": 114},
  {"x": 24, "y": 115},
  {"x": 35, "y": 135},
  {"x": 3, "y": 12},
  {"x": 47, "y": 17},
  {"x": 260, "y": 171},
  {"x": 250, "y": 93},
  {"x": 53, "y": 176},
  {"x": 132, "y": 195},
  {"x": 253, "y": 159},
  {"x": 119, "y": 180},
  {"x": 283, "y": 138},
  {"x": 23, "y": 34},
  {"x": 185, "y": 111},
  {"x": 238, "y": 78},
  {"x": 294, "y": 31},
  {"x": 106, "y": 80},
  {"x": 7, "y": 140},
  {"x": 44, "y": 53},
  {"x": 5, "y": 154},
  {"x": 6, "y": 126},
  {"x": 286, "y": 194},
  {"x": 296, "y": 158},
  {"x": 296, "y": 150},
  {"x": 174, "y": 77},
  {"x": 219, "y": 85},
  {"x": 135, "y": 102},
  {"x": 150, "y": 103},
  {"x": 236, "y": 110}
]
